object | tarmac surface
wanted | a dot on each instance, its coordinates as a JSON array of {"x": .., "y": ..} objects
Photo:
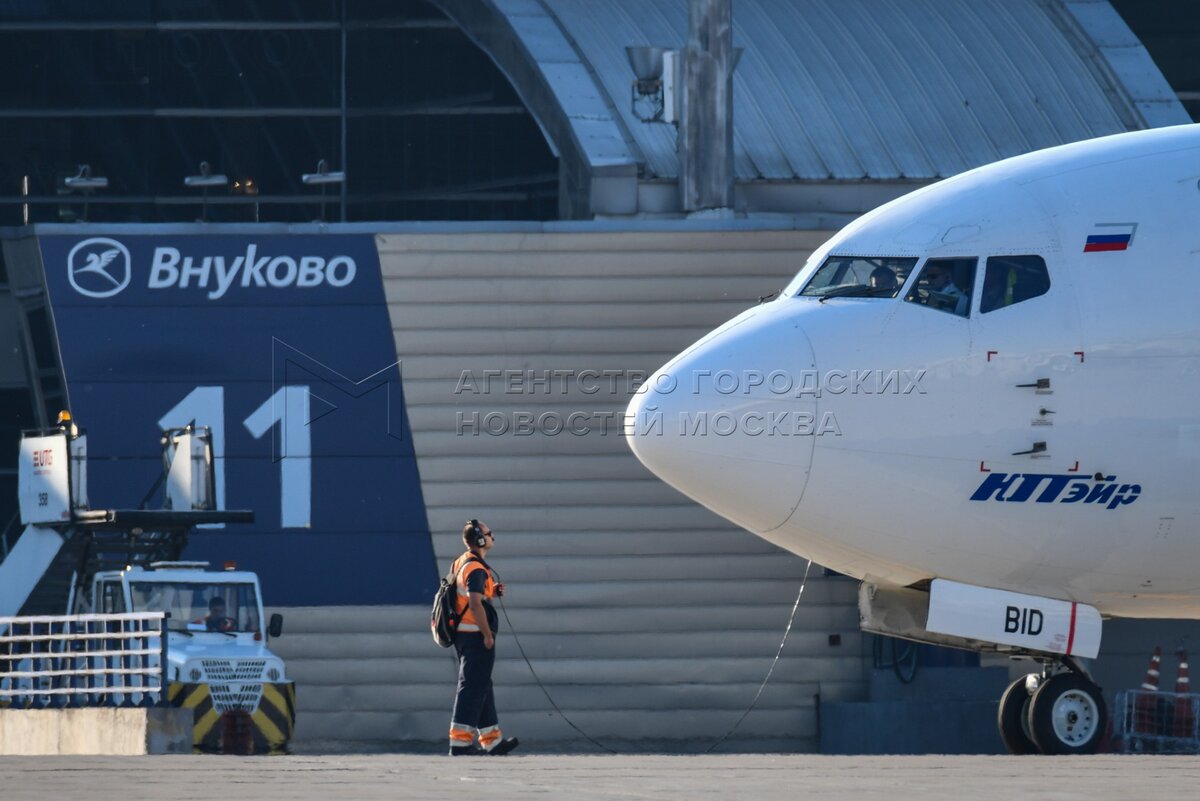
[{"x": 599, "y": 778}]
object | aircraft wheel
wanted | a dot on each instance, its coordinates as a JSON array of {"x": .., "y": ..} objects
[
  {"x": 1013, "y": 718},
  {"x": 1067, "y": 715}
]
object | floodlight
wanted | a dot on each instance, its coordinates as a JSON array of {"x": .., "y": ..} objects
[
  {"x": 653, "y": 92},
  {"x": 323, "y": 176},
  {"x": 84, "y": 181},
  {"x": 205, "y": 179}
]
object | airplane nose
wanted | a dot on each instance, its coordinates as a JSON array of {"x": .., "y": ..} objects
[{"x": 728, "y": 422}]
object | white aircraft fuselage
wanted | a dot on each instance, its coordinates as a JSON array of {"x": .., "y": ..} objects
[{"x": 900, "y": 442}]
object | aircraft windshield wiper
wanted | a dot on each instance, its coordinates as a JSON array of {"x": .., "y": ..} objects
[{"x": 856, "y": 291}]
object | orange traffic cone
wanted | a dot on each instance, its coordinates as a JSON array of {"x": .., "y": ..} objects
[
  {"x": 1150, "y": 683},
  {"x": 1184, "y": 717},
  {"x": 1145, "y": 719}
]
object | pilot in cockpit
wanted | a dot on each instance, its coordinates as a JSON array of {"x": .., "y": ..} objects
[
  {"x": 883, "y": 281},
  {"x": 943, "y": 293}
]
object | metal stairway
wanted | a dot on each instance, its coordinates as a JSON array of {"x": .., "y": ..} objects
[
  {"x": 24, "y": 567},
  {"x": 86, "y": 552},
  {"x": 51, "y": 564},
  {"x": 50, "y": 594}
]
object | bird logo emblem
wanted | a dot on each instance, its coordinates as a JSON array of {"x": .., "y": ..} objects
[{"x": 98, "y": 267}]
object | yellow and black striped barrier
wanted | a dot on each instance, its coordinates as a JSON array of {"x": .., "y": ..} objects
[{"x": 266, "y": 730}]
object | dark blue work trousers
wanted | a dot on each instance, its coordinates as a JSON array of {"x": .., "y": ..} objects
[{"x": 474, "y": 704}]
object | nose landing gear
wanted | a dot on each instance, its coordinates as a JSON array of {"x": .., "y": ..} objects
[{"x": 1053, "y": 713}]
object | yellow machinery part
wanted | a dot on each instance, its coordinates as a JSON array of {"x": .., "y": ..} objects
[{"x": 271, "y": 725}]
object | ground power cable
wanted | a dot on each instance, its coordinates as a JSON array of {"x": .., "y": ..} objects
[
  {"x": 711, "y": 748},
  {"x": 538, "y": 679},
  {"x": 774, "y": 662},
  {"x": 546, "y": 692}
]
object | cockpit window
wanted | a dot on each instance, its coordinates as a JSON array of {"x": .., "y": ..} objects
[
  {"x": 1013, "y": 279},
  {"x": 859, "y": 277},
  {"x": 945, "y": 284}
]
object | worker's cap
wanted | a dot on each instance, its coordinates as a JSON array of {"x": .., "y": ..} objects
[{"x": 213, "y": 603}]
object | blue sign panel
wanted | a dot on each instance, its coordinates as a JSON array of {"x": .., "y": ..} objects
[{"x": 282, "y": 345}]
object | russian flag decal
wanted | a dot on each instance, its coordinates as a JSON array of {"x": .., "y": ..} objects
[{"x": 1110, "y": 236}]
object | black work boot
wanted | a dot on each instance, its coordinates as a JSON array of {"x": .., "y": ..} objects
[
  {"x": 466, "y": 750},
  {"x": 503, "y": 747}
]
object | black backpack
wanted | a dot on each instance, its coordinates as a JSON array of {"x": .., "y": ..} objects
[{"x": 443, "y": 622}]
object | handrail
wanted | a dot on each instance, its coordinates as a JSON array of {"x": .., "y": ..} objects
[{"x": 60, "y": 661}]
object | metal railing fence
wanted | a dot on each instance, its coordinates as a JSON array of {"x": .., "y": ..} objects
[
  {"x": 1157, "y": 723},
  {"x": 83, "y": 660}
]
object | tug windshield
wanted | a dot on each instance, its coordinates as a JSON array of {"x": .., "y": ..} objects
[
  {"x": 859, "y": 277},
  {"x": 197, "y": 606}
]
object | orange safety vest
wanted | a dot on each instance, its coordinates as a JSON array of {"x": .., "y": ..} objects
[{"x": 464, "y": 566}]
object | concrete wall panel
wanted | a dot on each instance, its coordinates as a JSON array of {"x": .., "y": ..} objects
[{"x": 646, "y": 616}]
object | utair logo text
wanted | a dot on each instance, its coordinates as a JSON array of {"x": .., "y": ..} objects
[{"x": 100, "y": 268}]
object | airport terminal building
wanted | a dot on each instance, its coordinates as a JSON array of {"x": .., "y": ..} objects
[{"x": 452, "y": 238}]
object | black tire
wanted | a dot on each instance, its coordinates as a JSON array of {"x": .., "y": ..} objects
[
  {"x": 1013, "y": 719},
  {"x": 1067, "y": 715}
]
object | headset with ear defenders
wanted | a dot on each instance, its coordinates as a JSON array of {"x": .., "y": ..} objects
[{"x": 480, "y": 537}]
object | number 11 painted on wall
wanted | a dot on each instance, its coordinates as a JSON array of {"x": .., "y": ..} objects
[{"x": 289, "y": 407}]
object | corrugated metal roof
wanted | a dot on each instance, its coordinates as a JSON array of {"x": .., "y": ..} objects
[{"x": 848, "y": 90}]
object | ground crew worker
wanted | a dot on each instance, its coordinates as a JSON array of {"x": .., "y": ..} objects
[{"x": 475, "y": 641}]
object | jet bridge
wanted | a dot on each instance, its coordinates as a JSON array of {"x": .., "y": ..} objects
[{"x": 64, "y": 541}]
